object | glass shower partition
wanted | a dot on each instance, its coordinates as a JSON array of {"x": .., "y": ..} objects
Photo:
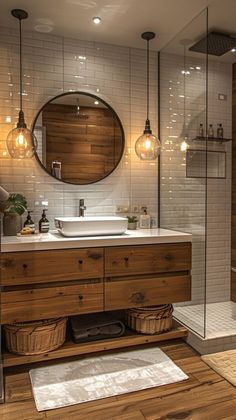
[
  {"x": 184, "y": 156},
  {"x": 1, "y": 365}
]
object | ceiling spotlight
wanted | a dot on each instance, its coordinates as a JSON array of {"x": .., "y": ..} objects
[{"x": 96, "y": 20}]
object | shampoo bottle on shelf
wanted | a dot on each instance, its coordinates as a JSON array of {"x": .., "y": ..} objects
[
  {"x": 145, "y": 219},
  {"x": 29, "y": 222},
  {"x": 201, "y": 131},
  {"x": 220, "y": 131},
  {"x": 210, "y": 132},
  {"x": 44, "y": 223}
]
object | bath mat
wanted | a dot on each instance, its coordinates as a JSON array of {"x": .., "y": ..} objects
[
  {"x": 223, "y": 363},
  {"x": 94, "y": 378}
]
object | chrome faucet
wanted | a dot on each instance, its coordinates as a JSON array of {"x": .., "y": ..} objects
[{"x": 82, "y": 207}]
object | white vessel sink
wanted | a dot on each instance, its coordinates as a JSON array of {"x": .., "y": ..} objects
[{"x": 91, "y": 226}]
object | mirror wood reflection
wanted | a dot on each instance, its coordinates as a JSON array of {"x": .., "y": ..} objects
[{"x": 80, "y": 138}]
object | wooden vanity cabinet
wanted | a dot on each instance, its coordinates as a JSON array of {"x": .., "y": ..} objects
[
  {"x": 147, "y": 275},
  {"x": 50, "y": 284}
]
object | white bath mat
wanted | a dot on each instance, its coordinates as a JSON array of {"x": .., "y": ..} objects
[{"x": 94, "y": 378}]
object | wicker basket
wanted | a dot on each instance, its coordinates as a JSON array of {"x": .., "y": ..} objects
[
  {"x": 150, "y": 320},
  {"x": 37, "y": 337}
]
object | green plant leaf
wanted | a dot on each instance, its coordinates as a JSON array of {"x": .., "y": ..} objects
[
  {"x": 132, "y": 219},
  {"x": 16, "y": 203}
]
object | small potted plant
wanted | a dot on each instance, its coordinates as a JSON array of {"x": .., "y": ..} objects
[
  {"x": 12, "y": 210},
  {"x": 132, "y": 222}
]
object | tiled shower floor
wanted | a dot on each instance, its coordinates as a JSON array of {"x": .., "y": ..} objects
[{"x": 220, "y": 318}]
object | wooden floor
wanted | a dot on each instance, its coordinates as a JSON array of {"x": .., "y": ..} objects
[{"x": 204, "y": 396}]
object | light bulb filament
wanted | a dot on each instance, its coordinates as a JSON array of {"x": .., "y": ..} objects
[
  {"x": 21, "y": 141},
  {"x": 147, "y": 144},
  {"x": 184, "y": 146}
]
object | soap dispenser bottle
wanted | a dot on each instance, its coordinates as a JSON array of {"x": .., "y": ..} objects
[
  {"x": 220, "y": 132},
  {"x": 29, "y": 222},
  {"x": 145, "y": 219},
  {"x": 210, "y": 131},
  {"x": 201, "y": 131},
  {"x": 44, "y": 223}
]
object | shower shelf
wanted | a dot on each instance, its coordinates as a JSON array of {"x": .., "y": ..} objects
[{"x": 198, "y": 138}]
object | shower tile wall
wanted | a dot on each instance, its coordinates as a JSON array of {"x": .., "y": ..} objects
[
  {"x": 52, "y": 65},
  {"x": 183, "y": 199}
]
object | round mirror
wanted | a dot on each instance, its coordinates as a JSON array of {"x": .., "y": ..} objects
[{"x": 80, "y": 138}]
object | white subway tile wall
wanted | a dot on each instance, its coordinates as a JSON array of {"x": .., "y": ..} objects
[
  {"x": 183, "y": 200},
  {"x": 52, "y": 65}
]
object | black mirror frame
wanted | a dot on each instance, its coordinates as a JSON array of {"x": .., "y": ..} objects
[{"x": 104, "y": 103}]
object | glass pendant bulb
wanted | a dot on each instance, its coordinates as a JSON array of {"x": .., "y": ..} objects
[
  {"x": 147, "y": 146},
  {"x": 21, "y": 142},
  {"x": 184, "y": 144}
]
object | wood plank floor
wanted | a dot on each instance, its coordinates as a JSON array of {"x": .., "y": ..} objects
[{"x": 204, "y": 396}]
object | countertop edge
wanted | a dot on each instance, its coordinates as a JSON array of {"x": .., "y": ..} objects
[{"x": 57, "y": 243}]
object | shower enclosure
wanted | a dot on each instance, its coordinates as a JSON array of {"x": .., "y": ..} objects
[
  {"x": 195, "y": 174},
  {"x": 1, "y": 367}
]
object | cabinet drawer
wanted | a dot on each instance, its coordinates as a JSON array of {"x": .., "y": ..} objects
[
  {"x": 51, "y": 302},
  {"x": 147, "y": 259},
  {"x": 132, "y": 293},
  {"x": 46, "y": 266}
]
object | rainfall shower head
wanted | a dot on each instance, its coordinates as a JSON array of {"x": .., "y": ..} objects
[{"x": 215, "y": 43}]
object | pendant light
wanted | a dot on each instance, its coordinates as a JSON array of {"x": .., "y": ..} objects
[
  {"x": 21, "y": 142},
  {"x": 148, "y": 146}
]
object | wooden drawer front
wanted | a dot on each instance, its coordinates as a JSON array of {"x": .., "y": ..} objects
[
  {"x": 146, "y": 292},
  {"x": 33, "y": 304},
  {"x": 46, "y": 266},
  {"x": 147, "y": 259}
]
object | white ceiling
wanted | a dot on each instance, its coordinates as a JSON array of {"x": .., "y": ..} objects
[{"x": 122, "y": 20}]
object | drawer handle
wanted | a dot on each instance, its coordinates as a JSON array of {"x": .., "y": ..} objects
[
  {"x": 80, "y": 262},
  {"x": 25, "y": 266},
  {"x": 126, "y": 259},
  {"x": 138, "y": 297},
  {"x": 168, "y": 257},
  {"x": 81, "y": 297}
]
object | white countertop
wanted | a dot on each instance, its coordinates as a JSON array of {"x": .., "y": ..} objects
[{"x": 54, "y": 240}]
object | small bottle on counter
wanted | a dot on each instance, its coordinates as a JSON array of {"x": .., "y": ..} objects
[
  {"x": 220, "y": 131},
  {"x": 145, "y": 219},
  {"x": 29, "y": 222},
  {"x": 44, "y": 223},
  {"x": 201, "y": 131},
  {"x": 210, "y": 132}
]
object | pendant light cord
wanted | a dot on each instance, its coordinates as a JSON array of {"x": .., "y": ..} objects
[
  {"x": 21, "y": 83},
  {"x": 184, "y": 91},
  {"x": 147, "y": 79}
]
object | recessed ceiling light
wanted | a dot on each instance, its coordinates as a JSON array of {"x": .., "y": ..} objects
[
  {"x": 96, "y": 20},
  {"x": 44, "y": 29},
  {"x": 96, "y": 103}
]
